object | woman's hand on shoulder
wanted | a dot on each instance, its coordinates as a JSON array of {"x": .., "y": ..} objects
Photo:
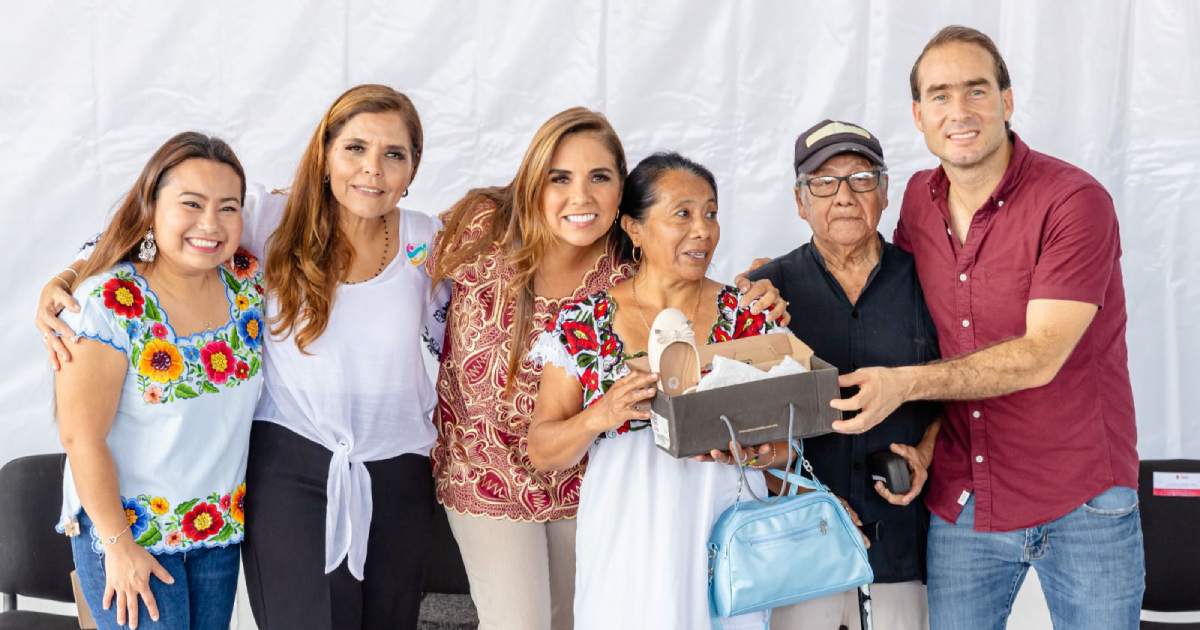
[
  {"x": 54, "y": 297},
  {"x": 762, "y": 296}
]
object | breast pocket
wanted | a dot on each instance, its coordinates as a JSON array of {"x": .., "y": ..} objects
[{"x": 1001, "y": 301}]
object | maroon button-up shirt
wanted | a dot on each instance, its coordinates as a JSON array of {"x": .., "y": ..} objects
[{"x": 1048, "y": 231}]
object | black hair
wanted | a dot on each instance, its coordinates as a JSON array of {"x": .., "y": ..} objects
[{"x": 641, "y": 190}]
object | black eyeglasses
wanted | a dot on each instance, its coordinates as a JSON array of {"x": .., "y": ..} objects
[{"x": 828, "y": 185}]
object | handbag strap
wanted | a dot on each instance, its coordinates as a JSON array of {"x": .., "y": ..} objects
[{"x": 737, "y": 457}]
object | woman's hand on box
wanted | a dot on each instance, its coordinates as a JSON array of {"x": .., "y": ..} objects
[
  {"x": 626, "y": 400},
  {"x": 761, "y": 456}
]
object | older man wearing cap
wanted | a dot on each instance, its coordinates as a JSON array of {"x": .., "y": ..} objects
[{"x": 855, "y": 299}]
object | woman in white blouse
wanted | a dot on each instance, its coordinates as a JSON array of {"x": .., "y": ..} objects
[
  {"x": 155, "y": 411},
  {"x": 340, "y": 502}
]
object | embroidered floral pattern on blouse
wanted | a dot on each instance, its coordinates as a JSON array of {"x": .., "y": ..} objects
[
  {"x": 170, "y": 368},
  {"x": 216, "y": 520},
  {"x": 585, "y": 330}
]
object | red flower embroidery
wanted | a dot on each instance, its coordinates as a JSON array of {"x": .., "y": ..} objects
[
  {"x": 590, "y": 380},
  {"x": 158, "y": 330},
  {"x": 218, "y": 361},
  {"x": 579, "y": 337},
  {"x": 609, "y": 347},
  {"x": 225, "y": 502},
  {"x": 729, "y": 300},
  {"x": 123, "y": 297},
  {"x": 624, "y": 428},
  {"x": 601, "y": 308},
  {"x": 202, "y": 521},
  {"x": 748, "y": 325},
  {"x": 241, "y": 370},
  {"x": 720, "y": 335},
  {"x": 259, "y": 288},
  {"x": 243, "y": 264}
]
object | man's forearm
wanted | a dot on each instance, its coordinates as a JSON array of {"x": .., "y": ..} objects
[{"x": 1000, "y": 369}]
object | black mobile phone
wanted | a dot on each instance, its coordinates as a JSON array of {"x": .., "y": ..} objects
[{"x": 892, "y": 470}]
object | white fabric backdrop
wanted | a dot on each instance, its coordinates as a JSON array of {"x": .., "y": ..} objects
[{"x": 89, "y": 89}]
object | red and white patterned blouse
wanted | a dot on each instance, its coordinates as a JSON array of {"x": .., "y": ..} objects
[{"x": 481, "y": 466}]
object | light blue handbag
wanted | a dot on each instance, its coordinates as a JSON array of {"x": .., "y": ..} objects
[{"x": 781, "y": 550}]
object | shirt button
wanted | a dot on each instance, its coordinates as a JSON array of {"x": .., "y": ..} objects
[
  {"x": 949, "y": 232},
  {"x": 962, "y": 277},
  {"x": 979, "y": 459},
  {"x": 1000, "y": 204},
  {"x": 966, "y": 323},
  {"x": 854, "y": 314},
  {"x": 975, "y": 414}
]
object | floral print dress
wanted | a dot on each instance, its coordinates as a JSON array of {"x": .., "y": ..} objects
[
  {"x": 644, "y": 516},
  {"x": 182, "y": 426}
]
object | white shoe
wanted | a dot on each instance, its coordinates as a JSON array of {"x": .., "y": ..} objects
[{"x": 672, "y": 350}]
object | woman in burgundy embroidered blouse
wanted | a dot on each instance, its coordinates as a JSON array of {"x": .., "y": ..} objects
[{"x": 514, "y": 255}]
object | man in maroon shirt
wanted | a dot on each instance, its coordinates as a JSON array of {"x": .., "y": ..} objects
[{"x": 1018, "y": 255}]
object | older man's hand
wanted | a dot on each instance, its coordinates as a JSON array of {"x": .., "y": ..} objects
[
  {"x": 918, "y": 466},
  {"x": 880, "y": 392}
]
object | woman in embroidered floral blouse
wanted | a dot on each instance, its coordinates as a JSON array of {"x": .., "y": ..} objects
[
  {"x": 155, "y": 410},
  {"x": 644, "y": 517}
]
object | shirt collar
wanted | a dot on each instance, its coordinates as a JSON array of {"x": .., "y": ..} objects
[{"x": 939, "y": 184}]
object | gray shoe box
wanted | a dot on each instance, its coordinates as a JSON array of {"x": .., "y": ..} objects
[{"x": 690, "y": 424}]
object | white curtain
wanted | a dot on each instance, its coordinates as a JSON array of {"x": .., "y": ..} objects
[{"x": 89, "y": 89}]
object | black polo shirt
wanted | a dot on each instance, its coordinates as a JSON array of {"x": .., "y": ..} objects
[{"x": 889, "y": 326}]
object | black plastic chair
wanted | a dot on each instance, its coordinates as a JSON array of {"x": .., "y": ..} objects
[
  {"x": 1169, "y": 526},
  {"x": 35, "y": 561}
]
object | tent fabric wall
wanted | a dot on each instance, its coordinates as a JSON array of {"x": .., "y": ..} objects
[{"x": 89, "y": 89}]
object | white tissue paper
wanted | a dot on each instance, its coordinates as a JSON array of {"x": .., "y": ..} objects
[{"x": 728, "y": 372}]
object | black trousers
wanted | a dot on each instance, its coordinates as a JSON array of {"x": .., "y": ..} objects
[{"x": 284, "y": 549}]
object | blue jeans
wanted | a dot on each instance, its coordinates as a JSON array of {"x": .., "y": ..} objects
[
  {"x": 200, "y": 599},
  {"x": 1090, "y": 564}
]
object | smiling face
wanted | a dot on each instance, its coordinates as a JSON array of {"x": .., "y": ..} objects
[
  {"x": 198, "y": 215},
  {"x": 582, "y": 191},
  {"x": 962, "y": 110},
  {"x": 847, "y": 219},
  {"x": 680, "y": 231},
  {"x": 370, "y": 164}
]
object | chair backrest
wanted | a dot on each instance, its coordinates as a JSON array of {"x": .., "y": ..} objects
[
  {"x": 1169, "y": 522},
  {"x": 35, "y": 561},
  {"x": 445, "y": 572}
]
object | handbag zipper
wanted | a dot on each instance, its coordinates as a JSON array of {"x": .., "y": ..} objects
[{"x": 823, "y": 526}]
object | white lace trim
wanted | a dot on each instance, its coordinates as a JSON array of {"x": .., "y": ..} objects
[{"x": 548, "y": 349}]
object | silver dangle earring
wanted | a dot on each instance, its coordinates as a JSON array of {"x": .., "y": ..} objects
[
  {"x": 405, "y": 194},
  {"x": 149, "y": 248}
]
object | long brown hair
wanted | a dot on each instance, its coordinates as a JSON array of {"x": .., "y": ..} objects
[
  {"x": 308, "y": 255},
  {"x": 123, "y": 235},
  {"x": 517, "y": 224}
]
